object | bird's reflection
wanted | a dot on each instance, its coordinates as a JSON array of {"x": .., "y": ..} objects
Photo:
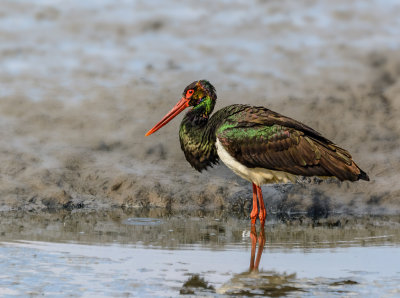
[
  {"x": 255, "y": 261},
  {"x": 259, "y": 283}
]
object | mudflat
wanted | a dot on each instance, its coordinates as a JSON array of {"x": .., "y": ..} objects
[{"x": 81, "y": 83}]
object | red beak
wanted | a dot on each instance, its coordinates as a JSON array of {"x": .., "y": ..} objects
[{"x": 182, "y": 104}]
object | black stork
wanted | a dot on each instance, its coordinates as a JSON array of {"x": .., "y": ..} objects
[{"x": 256, "y": 143}]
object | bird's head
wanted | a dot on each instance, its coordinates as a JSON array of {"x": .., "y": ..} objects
[{"x": 200, "y": 95}]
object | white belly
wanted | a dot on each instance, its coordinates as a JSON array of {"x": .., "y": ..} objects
[{"x": 257, "y": 176}]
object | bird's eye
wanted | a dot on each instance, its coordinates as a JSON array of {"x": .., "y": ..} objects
[{"x": 190, "y": 92}]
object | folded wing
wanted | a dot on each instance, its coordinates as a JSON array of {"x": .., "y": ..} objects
[{"x": 258, "y": 137}]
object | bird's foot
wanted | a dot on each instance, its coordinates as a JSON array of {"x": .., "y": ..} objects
[{"x": 253, "y": 220}]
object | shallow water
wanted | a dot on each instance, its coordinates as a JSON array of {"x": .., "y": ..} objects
[{"x": 151, "y": 254}]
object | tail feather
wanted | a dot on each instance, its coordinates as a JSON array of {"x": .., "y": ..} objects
[
  {"x": 363, "y": 175},
  {"x": 338, "y": 162}
]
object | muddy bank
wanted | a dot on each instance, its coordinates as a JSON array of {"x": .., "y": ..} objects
[
  {"x": 156, "y": 227},
  {"x": 75, "y": 103}
]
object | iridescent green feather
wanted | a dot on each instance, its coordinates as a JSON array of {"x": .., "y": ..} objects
[{"x": 197, "y": 134}]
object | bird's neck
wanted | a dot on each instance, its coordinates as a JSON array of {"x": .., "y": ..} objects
[
  {"x": 201, "y": 112},
  {"x": 197, "y": 138}
]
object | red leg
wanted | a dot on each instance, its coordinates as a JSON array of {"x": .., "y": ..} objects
[
  {"x": 263, "y": 213},
  {"x": 254, "y": 212},
  {"x": 253, "y": 237},
  {"x": 261, "y": 244}
]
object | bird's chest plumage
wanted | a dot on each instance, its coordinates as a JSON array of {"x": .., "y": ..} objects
[
  {"x": 198, "y": 145},
  {"x": 258, "y": 176}
]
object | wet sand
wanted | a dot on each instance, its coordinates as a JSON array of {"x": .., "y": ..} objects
[{"x": 81, "y": 84}]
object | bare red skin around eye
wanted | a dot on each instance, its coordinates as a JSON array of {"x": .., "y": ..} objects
[{"x": 189, "y": 93}]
